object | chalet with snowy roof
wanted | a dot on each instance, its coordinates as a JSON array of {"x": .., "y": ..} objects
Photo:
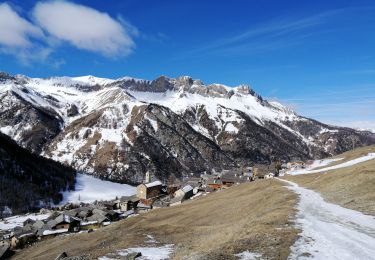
[
  {"x": 150, "y": 190},
  {"x": 95, "y": 221},
  {"x": 186, "y": 192},
  {"x": 64, "y": 221}
]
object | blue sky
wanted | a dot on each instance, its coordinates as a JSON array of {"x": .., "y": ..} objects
[{"x": 316, "y": 56}]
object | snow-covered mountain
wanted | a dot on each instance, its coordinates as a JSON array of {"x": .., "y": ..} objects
[{"x": 119, "y": 129}]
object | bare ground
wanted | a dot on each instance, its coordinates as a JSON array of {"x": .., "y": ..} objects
[{"x": 253, "y": 216}]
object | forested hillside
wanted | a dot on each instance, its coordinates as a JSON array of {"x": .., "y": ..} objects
[{"x": 29, "y": 181}]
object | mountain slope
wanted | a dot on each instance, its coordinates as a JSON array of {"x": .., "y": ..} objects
[
  {"x": 29, "y": 181},
  {"x": 119, "y": 129}
]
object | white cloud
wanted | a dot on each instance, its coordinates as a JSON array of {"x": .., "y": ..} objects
[
  {"x": 16, "y": 31},
  {"x": 20, "y": 38},
  {"x": 85, "y": 28}
]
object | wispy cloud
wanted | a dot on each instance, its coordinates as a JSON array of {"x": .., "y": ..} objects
[
  {"x": 16, "y": 31},
  {"x": 356, "y": 124},
  {"x": 341, "y": 107},
  {"x": 57, "y": 23},
  {"x": 279, "y": 33},
  {"x": 84, "y": 27},
  {"x": 18, "y": 36}
]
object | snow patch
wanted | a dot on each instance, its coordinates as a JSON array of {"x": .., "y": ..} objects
[
  {"x": 365, "y": 158},
  {"x": 247, "y": 255},
  {"x": 14, "y": 221},
  {"x": 88, "y": 189},
  {"x": 150, "y": 253}
]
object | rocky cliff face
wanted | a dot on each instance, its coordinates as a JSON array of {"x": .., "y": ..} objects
[{"x": 119, "y": 129}]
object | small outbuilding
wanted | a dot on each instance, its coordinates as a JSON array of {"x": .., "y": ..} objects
[{"x": 186, "y": 192}]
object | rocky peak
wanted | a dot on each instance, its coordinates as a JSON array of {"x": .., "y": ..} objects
[
  {"x": 244, "y": 89},
  {"x": 161, "y": 84}
]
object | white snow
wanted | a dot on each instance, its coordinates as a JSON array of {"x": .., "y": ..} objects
[
  {"x": 152, "y": 184},
  {"x": 91, "y": 80},
  {"x": 88, "y": 189},
  {"x": 323, "y": 162},
  {"x": 14, "y": 221},
  {"x": 150, "y": 253},
  {"x": 187, "y": 188},
  {"x": 231, "y": 128},
  {"x": 52, "y": 232},
  {"x": 367, "y": 157},
  {"x": 330, "y": 231},
  {"x": 326, "y": 130},
  {"x": 247, "y": 255}
]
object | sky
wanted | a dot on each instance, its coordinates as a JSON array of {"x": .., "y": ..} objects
[{"x": 317, "y": 57}]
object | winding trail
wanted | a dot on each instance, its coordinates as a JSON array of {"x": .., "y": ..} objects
[{"x": 330, "y": 231}]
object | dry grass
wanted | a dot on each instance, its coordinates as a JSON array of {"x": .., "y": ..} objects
[
  {"x": 352, "y": 187},
  {"x": 350, "y": 155},
  {"x": 253, "y": 216}
]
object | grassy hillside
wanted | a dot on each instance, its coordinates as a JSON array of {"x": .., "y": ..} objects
[
  {"x": 352, "y": 187},
  {"x": 253, "y": 216}
]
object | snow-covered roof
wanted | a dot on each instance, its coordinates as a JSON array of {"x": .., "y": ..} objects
[
  {"x": 86, "y": 223},
  {"x": 187, "y": 188},
  {"x": 57, "y": 231},
  {"x": 153, "y": 184}
]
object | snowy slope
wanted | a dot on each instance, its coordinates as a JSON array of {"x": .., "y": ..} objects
[
  {"x": 105, "y": 126},
  {"x": 320, "y": 163},
  {"x": 17, "y": 221},
  {"x": 89, "y": 189}
]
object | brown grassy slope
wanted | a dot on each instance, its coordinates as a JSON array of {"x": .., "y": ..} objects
[
  {"x": 352, "y": 187},
  {"x": 350, "y": 155},
  {"x": 253, "y": 216}
]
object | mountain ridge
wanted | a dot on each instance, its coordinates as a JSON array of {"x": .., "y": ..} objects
[{"x": 173, "y": 127}]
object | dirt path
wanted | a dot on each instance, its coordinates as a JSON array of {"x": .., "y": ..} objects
[{"x": 330, "y": 231}]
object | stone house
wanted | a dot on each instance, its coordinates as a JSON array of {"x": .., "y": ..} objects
[
  {"x": 261, "y": 170},
  {"x": 149, "y": 190},
  {"x": 22, "y": 239},
  {"x": 128, "y": 203},
  {"x": 87, "y": 225}
]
